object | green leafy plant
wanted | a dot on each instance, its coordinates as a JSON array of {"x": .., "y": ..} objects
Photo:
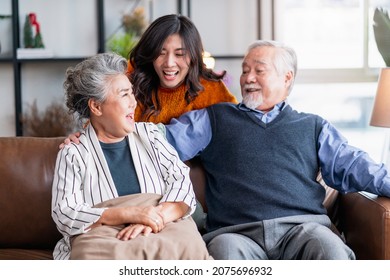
[
  {"x": 382, "y": 33},
  {"x": 31, "y": 40},
  {"x": 28, "y": 33},
  {"x": 133, "y": 25},
  {"x": 122, "y": 44}
]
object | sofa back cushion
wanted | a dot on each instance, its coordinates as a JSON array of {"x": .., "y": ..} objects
[{"x": 26, "y": 175}]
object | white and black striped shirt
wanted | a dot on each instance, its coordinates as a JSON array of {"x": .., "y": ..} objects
[{"x": 82, "y": 179}]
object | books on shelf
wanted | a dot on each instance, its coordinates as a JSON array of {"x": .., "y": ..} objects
[{"x": 34, "y": 53}]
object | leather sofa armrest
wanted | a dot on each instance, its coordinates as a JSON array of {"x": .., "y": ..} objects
[{"x": 365, "y": 222}]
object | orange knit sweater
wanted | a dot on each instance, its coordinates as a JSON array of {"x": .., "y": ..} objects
[{"x": 173, "y": 103}]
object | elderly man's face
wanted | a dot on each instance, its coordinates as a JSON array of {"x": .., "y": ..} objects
[{"x": 261, "y": 86}]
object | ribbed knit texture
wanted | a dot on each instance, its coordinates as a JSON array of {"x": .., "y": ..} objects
[
  {"x": 258, "y": 171},
  {"x": 173, "y": 103}
]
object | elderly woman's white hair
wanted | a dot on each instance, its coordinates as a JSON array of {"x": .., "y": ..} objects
[{"x": 90, "y": 79}]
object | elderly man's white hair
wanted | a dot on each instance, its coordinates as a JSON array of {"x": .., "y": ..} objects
[{"x": 285, "y": 60}]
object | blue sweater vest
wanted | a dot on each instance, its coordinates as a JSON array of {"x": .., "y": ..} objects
[{"x": 257, "y": 171}]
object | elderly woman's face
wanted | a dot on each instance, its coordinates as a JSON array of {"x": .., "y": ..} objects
[{"x": 116, "y": 114}]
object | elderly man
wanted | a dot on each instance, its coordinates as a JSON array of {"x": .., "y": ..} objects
[{"x": 262, "y": 158}]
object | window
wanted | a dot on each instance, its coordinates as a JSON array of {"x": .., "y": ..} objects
[
  {"x": 324, "y": 33},
  {"x": 333, "y": 37},
  {"x": 338, "y": 63},
  {"x": 348, "y": 107}
]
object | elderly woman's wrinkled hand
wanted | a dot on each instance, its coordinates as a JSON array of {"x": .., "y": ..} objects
[
  {"x": 149, "y": 216},
  {"x": 132, "y": 231}
]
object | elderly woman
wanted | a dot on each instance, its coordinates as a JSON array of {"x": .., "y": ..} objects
[{"x": 116, "y": 158}]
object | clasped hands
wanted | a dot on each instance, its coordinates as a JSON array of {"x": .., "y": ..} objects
[{"x": 146, "y": 220}]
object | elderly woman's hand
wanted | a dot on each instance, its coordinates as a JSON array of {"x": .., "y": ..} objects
[
  {"x": 132, "y": 231},
  {"x": 149, "y": 216}
]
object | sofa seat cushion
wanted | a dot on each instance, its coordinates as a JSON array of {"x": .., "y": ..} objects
[{"x": 26, "y": 254}]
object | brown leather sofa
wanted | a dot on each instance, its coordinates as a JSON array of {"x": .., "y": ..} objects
[{"x": 28, "y": 232}]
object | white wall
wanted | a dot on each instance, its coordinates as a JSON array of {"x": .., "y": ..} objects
[
  {"x": 227, "y": 27},
  {"x": 7, "y": 115},
  {"x": 68, "y": 27},
  {"x": 7, "y": 104}
]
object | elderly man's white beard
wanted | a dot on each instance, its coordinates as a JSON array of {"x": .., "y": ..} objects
[{"x": 252, "y": 101}]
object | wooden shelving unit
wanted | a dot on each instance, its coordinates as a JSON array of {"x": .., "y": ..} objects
[{"x": 17, "y": 63}]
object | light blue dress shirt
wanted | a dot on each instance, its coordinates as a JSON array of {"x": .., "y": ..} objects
[{"x": 344, "y": 167}]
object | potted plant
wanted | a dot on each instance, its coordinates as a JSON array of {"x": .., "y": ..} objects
[
  {"x": 133, "y": 25},
  {"x": 382, "y": 33},
  {"x": 122, "y": 44},
  {"x": 54, "y": 121}
]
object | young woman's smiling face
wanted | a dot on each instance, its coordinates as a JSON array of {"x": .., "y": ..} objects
[{"x": 173, "y": 62}]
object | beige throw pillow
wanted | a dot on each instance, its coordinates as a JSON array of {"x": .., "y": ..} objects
[{"x": 177, "y": 241}]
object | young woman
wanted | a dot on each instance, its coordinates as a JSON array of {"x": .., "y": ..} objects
[{"x": 168, "y": 73}]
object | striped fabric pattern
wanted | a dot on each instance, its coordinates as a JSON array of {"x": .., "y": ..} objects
[{"x": 82, "y": 179}]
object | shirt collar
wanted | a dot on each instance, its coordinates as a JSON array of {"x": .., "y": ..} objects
[
  {"x": 275, "y": 110},
  {"x": 265, "y": 117}
]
